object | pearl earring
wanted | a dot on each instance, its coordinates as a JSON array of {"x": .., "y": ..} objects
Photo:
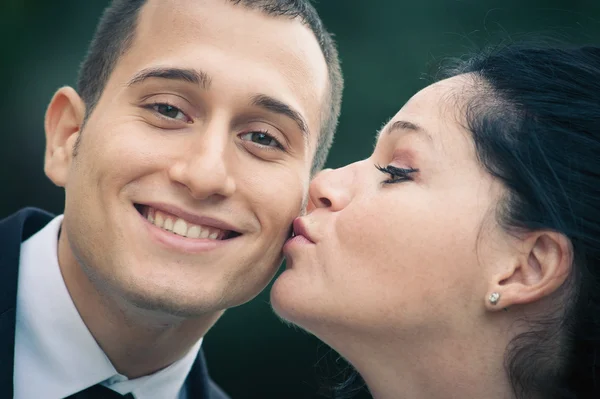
[{"x": 494, "y": 298}]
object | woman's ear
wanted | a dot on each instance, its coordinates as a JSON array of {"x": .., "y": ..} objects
[
  {"x": 64, "y": 118},
  {"x": 539, "y": 269}
]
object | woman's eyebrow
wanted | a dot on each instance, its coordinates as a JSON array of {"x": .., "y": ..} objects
[{"x": 404, "y": 126}]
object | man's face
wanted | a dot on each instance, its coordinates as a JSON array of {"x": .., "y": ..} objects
[{"x": 207, "y": 127}]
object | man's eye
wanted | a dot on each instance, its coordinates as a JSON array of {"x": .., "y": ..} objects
[
  {"x": 261, "y": 138},
  {"x": 169, "y": 111}
]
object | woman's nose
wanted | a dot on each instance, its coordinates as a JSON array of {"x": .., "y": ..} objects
[{"x": 331, "y": 189}]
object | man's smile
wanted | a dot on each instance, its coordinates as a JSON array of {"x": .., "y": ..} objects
[
  {"x": 178, "y": 230},
  {"x": 181, "y": 224}
]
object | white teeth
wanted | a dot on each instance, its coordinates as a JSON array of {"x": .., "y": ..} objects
[
  {"x": 180, "y": 226},
  {"x": 151, "y": 215},
  {"x": 194, "y": 232},
  {"x": 159, "y": 220},
  {"x": 168, "y": 224}
]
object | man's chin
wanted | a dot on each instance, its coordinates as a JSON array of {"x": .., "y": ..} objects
[{"x": 164, "y": 302}]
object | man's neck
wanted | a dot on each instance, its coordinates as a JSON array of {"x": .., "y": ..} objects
[{"x": 137, "y": 341}]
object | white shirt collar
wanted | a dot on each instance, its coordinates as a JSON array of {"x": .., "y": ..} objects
[{"x": 55, "y": 353}]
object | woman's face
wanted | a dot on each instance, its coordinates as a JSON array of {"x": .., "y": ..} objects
[{"x": 406, "y": 250}]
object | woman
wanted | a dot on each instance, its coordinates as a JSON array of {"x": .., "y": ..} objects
[{"x": 462, "y": 259}]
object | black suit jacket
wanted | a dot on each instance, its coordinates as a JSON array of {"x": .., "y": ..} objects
[{"x": 13, "y": 231}]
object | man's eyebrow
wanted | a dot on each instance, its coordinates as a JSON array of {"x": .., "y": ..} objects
[
  {"x": 182, "y": 74},
  {"x": 273, "y": 105},
  {"x": 404, "y": 126}
]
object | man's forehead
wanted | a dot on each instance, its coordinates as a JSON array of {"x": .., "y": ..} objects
[
  {"x": 214, "y": 22},
  {"x": 229, "y": 11},
  {"x": 211, "y": 35}
]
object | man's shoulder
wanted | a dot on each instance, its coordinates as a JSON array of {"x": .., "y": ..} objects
[
  {"x": 14, "y": 229},
  {"x": 26, "y": 222}
]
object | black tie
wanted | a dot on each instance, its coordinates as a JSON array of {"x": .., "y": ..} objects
[{"x": 99, "y": 392}]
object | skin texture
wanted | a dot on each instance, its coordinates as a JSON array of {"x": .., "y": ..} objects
[
  {"x": 396, "y": 276},
  {"x": 206, "y": 157}
]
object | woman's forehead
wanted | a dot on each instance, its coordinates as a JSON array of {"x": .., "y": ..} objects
[{"x": 435, "y": 112}]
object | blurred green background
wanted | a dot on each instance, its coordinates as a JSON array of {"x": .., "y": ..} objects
[{"x": 388, "y": 49}]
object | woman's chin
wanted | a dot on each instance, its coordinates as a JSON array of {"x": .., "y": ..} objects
[
  {"x": 283, "y": 294},
  {"x": 294, "y": 298}
]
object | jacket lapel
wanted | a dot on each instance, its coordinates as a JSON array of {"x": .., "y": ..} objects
[
  {"x": 199, "y": 383},
  {"x": 197, "y": 380},
  {"x": 13, "y": 230}
]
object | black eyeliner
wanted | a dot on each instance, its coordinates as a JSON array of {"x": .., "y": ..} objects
[{"x": 397, "y": 175}]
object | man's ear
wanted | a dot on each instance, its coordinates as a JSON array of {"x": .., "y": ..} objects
[
  {"x": 539, "y": 269},
  {"x": 64, "y": 118}
]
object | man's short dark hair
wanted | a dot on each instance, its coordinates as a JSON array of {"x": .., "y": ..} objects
[{"x": 116, "y": 29}]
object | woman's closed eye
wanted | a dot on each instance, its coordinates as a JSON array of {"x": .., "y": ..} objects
[{"x": 396, "y": 174}]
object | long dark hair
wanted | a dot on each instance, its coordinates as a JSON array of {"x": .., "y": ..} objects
[{"x": 535, "y": 121}]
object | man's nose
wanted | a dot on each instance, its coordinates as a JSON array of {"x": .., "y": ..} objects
[{"x": 204, "y": 168}]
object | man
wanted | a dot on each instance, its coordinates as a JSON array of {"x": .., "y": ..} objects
[{"x": 185, "y": 155}]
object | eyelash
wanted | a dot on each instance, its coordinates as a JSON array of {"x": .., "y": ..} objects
[
  {"x": 279, "y": 146},
  {"x": 397, "y": 175},
  {"x": 153, "y": 108}
]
